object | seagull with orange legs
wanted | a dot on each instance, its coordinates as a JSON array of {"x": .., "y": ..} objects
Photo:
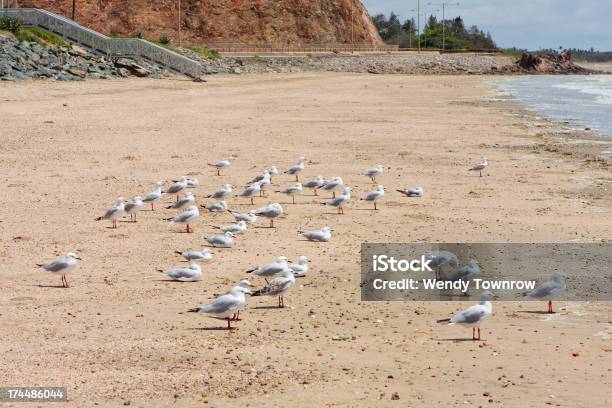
[
  {"x": 62, "y": 266},
  {"x": 340, "y": 201},
  {"x": 155, "y": 195},
  {"x": 177, "y": 187},
  {"x": 270, "y": 212},
  {"x": 374, "y": 196},
  {"x": 114, "y": 213},
  {"x": 187, "y": 217},
  {"x": 373, "y": 172},
  {"x": 251, "y": 191},
  {"x": 297, "y": 168},
  {"x": 333, "y": 184},
  {"x": 480, "y": 166},
  {"x": 225, "y": 306},
  {"x": 549, "y": 289},
  {"x": 223, "y": 164},
  {"x": 133, "y": 207},
  {"x": 474, "y": 316},
  {"x": 278, "y": 286},
  {"x": 292, "y": 191}
]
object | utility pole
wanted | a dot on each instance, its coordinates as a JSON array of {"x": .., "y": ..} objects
[
  {"x": 419, "y": 24},
  {"x": 179, "y": 22},
  {"x": 73, "y": 9},
  {"x": 352, "y": 25},
  {"x": 443, "y": 27}
]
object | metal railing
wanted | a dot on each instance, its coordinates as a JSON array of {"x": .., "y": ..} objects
[
  {"x": 111, "y": 47},
  {"x": 303, "y": 47}
]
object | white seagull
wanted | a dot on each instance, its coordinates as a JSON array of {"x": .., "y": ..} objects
[
  {"x": 224, "y": 192},
  {"x": 192, "y": 182},
  {"x": 186, "y": 217},
  {"x": 413, "y": 192},
  {"x": 315, "y": 184},
  {"x": 271, "y": 269},
  {"x": 216, "y": 207},
  {"x": 271, "y": 212},
  {"x": 300, "y": 268},
  {"x": 221, "y": 241},
  {"x": 322, "y": 235},
  {"x": 177, "y": 187},
  {"x": 62, "y": 266},
  {"x": 340, "y": 201},
  {"x": 292, "y": 191},
  {"x": 373, "y": 172},
  {"x": 297, "y": 168},
  {"x": 375, "y": 195},
  {"x": 184, "y": 274},
  {"x": 204, "y": 255},
  {"x": 474, "y": 316},
  {"x": 226, "y": 305},
  {"x": 114, "y": 213},
  {"x": 185, "y": 201},
  {"x": 441, "y": 261},
  {"x": 250, "y": 191},
  {"x": 133, "y": 207},
  {"x": 480, "y": 166},
  {"x": 549, "y": 289},
  {"x": 223, "y": 164},
  {"x": 278, "y": 286},
  {"x": 154, "y": 195},
  {"x": 239, "y": 228},
  {"x": 466, "y": 273},
  {"x": 333, "y": 184},
  {"x": 248, "y": 217}
]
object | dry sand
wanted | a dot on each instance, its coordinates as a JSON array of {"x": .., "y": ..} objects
[{"x": 120, "y": 333}]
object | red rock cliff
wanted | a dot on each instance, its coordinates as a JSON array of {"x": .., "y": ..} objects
[{"x": 286, "y": 22}]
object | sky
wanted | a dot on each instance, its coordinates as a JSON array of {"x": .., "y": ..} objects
[{"x": 530, "y": 24}]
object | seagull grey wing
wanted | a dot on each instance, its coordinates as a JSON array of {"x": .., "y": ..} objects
[
  {"x": 469, "y": 315},
  {"x": 546, "y": 289},
  {"x": 222, "y": 304},
  {"x": 151, "y": 197},
  {"x": 277, "y": 286},
  {"x": 56, "y": 266},
  {"x": 182, "y": 273}
]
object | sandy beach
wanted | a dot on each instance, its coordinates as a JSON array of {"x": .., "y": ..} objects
[{"x": 121, "y": 335}]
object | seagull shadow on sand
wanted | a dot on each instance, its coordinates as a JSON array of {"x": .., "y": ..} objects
[
  {"x": 51, "y": 286},
  {"x": 458, "y": 340}
]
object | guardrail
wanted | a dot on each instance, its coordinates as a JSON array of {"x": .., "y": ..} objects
[
  {"x": 111, "y": 47},
  {"x": 243, "y": 47}
]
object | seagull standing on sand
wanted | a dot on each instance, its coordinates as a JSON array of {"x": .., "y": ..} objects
[
  {"x": 300, "y": 268},
  {"x": 177, "y": 187},
  {"x": 155, "y": 195},
  {"x": 187, "y": 217},
  {"x": 271, "y": 212},
  {"x": 226, "y": 305},
  {"x": 264, "y": 183},
  {"x": 185, "y": 201},
  {"x": 315, "y": 184},
  {"x": 297, "y": 168},
  {"x": 340, "y": 201},
  {"x": 278, "y": 286},
  {"x": 466, "y": 273},
  {"x": 62, "y": 266},
  {"x": 372, "y": 173},
  {"x": 223, "y": 164},
  {"x": 248, "y": 217},
  {"x": 114, "y": 213},
  {"x": 292, "y": 191},
  {"x": 204, "y": 255},
  {"x": 133, "y": 207},
  {"x": 322, "y": 235},
  {"x": 183, "y": 274},
  {"x": 412, "y": 192},
  {"x": 271, "y": 269},
  {"x": 238, "y": 228},
  {"x": 375, "y": 195},
  {"x": 224, "y": 192},
  {"x": 474, "y": 316},
  {"x": 549, "y": 289},
  {"x": 439, "y": 260},
  {"x": 481, "y": 166},
  {"x": 250, "y": 191},
  {"x": 333, "y": 184},
  {"x": 216, "y": 207},
  {"x": 221, "y": 241}
]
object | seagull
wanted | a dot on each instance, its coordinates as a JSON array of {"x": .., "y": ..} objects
[
  {"x": 273, "y": 171},
  {"x": 238, "y": 228},
  {"x": 297, "y": 168},
  {"x": 270, "y": 171},
  {"x": 223, "y": 164},
  {"x": 224, "y": 192},
  {"x": 333, "y": 184},
  {"x": 300, "y": 268},
  {"x": 186, "y": 217},
  {"x": 292, "y": 191},
  {"x": 216, "y": 207},
  {"x": 133, "y": 207},
  {"x": 278, "y": 286},
  {"x": 155, "y": 195},
  {"x": 183, "y": 274},
  {"x": 271, "y": 269},
  {"x": 474, "y": 316},
  {"x": 340, "y": 201},
  {"x": 62, "y": 265},
  {"x": 264, "y": 183},
  {"x": 412, "y": 192},
  {"x": 185, "y": 201},
  {"x": 315, "y": 184},
  {"x": 549, "y": 289},
  {"x": 322, "y": 235},
  {"x": 192, "y": 182},
  {"x": 375, "y": 195},
  {"x": 250, "y": 191},
  {"x": 248, "y": 217},
  {"x": 243, "y": 284},
  {"x": 204, "y": 255},
  {"x": 441, "y": 259},
  {"x": 114, "y": 212},
  {"x": 225, "y": 305},
  {"x": 466, "y": 273},
  {"x": 372, "y": 173},
  {"x": 271, "y": 212},
  {"x": 481, "y": 166},
  {"x": 177, "y": 187},
  {"x": 221, "y": 241}
]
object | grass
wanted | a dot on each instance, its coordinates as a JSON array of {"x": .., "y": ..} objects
[
  {"x": 512, "y": 53},
  {"x": 208, "y": 53},
  {"x": 46, "y": 37}
]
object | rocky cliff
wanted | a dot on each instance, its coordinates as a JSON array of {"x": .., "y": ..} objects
[{"x": 281, "y": 22}]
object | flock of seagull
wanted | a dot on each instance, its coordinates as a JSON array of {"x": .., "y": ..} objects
[{"x": 280, "y": 275}]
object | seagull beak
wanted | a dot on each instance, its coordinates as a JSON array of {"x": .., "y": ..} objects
[{"x": 80, "y": 259}]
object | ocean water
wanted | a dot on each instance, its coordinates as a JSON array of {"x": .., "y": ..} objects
[{"x": 584, "y": 101}]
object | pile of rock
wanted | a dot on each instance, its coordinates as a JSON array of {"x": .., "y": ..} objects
[
  {"x": 550, "y": 64},
  {"x": 25, "y": 60}
]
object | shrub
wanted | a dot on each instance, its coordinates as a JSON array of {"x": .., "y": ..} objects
[
  {"x": 208, "y": 53},
  {"x": 164, "y": 40},
  {"x": 11, "y": 24},
  {"x": 137, "y": 34}
]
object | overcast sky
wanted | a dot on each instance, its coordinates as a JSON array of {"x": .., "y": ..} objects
[{"x": 523, "y": 23}]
